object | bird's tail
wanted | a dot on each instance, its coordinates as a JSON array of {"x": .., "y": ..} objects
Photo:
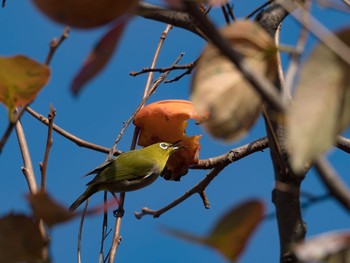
[{"x": 81, "y": 199}]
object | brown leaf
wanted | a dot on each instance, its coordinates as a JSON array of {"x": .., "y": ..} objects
[
  {"x": 21, "y": 79},
  {"x": 322, "y": 104},
  {"x": 85, "y": 14},
  {"x": 219, "y": 88},
  {"x": 232, "y": 232},
  {"x": 20, "y": 240},
  {"x": 99, "y": 57},
  {"x": 48, "y": 210},
  {"x": 331, "y": 247}
]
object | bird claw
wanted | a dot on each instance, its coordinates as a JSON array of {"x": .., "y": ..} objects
[{"x": 119, "y": 212}]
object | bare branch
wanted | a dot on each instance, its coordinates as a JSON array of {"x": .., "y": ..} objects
[
  {"x": 333, "y": 182},
  {"x": 197, "y": 189},
  {"x": 55, "y": 44},
  {"x": 69, "y": 136},
  {"x": 343, "y": 144},
  {"x": 233, "y": 155},
  {"x": 173, "y": 17},
  {"x": 43, "y": 165}
]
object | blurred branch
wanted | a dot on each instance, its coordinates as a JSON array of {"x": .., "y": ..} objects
[
  {"x": 233, "y": 155},
  {"x": 176, "y": 18},
  {"x": 54, "y": 44},
  {"x": 43, "y": 165},
  {"x": 198, "y": 188},
  {"x": 343, "y": 144},
  {"x": 69, "y": 136},
  {"x": 264, "y": 87},
  {"x": 333, "y": 182}
]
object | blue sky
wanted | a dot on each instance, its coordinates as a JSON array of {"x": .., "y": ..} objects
[{"x": 97, "y": 116}]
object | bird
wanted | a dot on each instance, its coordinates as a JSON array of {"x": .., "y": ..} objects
[{"x": 129, "y": 171}]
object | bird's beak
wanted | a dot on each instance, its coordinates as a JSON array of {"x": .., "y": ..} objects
[{"x": 177, "y": 145}]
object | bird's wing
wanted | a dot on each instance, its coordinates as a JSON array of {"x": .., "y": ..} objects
[{"x": 99, "y": 168}]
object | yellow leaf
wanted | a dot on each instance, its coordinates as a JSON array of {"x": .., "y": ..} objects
[{"x": 21, "y": 78}]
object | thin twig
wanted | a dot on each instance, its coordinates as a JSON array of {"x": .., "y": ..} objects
[
  {"x": 162, "y": 70},
  {"x": 333, "y": 182},
  {"x": 229, "y": 9},
  {"x": 43, "y": 165},
  {"x": 104, "y": 227},
  {"x": 343, "y": 144},
  {"x": 80, "y": 233},
  {"x": 10, "y": 127},
  {"x": 3, "y": 3},
  {"x": 294, "y": 64},
  {"x": 54, "y": 44},
  {"x": 198, "y": 188},
  {"x": 335, "y": 5},
  {"x": 116, "y": 235},
  {"x": 69, "y": 136}
]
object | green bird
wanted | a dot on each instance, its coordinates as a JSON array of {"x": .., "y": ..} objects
[{"x": 129, "y": 171}]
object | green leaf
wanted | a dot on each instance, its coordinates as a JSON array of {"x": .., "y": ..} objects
[
  {"x": 21, "y": 78},
  {"x": 232, "y": 232},
  {"x": 322, "y": 104}
]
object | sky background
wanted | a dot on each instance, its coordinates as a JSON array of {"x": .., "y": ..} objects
[{"x": 97, "y": 115}]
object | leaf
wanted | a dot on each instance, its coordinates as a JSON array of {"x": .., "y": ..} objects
[
  {"x": 166, "y": 120},
  {"x": 99, "y": 57},
  {"x": 85, "y": 14},
  {"x": 232, "y": 232},
  {"x": 219, "y": 88},
  {"x": 328, "y": 247},
  {"x": 21, "y": 79},
  {"x": 48, "y": 210},
  {"x": 322, "y": 104},
  {"x": 20, "y": 239}
]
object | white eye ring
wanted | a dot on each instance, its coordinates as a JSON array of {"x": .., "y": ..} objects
[{"x": 163, "y": 145}]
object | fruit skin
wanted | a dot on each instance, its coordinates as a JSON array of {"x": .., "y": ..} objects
[
  {"x": 84, "y": 13},
  {"x": 129, "y": 171}
]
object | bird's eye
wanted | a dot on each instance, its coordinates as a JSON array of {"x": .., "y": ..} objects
[{"x": 163, "y": 145}]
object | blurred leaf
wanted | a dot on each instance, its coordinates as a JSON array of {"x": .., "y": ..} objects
[
  {"x": 21, "y": 78},
  {"x": 230, "y": 235},
  {"x": 20, "y": 240},
  {"x": 333, "y": 247},
  {"x": 99, "y": 57},
  {"x": 166, "y": 120},
  {"x": 85, "y": 14},
  {"x": 48, "y": 210},
  {"x": 219, "y": 88},
  {"x": 322, "y": 104}
]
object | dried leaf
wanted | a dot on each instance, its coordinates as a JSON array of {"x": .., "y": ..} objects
[
  {"x": 20, "y": 240},
  {"x": 230, "y": 235},
  {"x": 322, "y": 104},
  {"x": 48, "y": 210},
  {"x": 329, "y": 247},
  {"x": 99, "y": 57},
  {"x": 219, "y": 88},
  {"x": 166, "y": 121},
  {"x": 84, "y": 14},
  {"x": 21, "y": 79}
]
